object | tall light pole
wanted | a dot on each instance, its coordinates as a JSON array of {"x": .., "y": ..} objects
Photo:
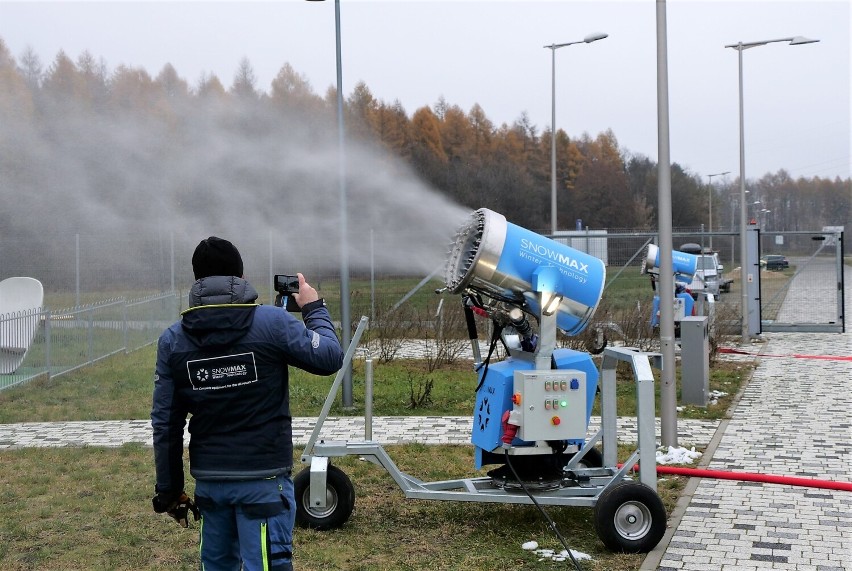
[
  {"x": 345, "y": 320},
  {"x": 740, "y": 46},
  {"x": 763, "y": 211},
  {"x": 754, "y": 206},
  {"x": 710, "y": 203},
  {"x": 553, "y": 47}
]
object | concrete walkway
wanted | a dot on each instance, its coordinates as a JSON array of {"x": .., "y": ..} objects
[
  {"x": 794, "y": 418},
  {"x": 386, "y": 430}
]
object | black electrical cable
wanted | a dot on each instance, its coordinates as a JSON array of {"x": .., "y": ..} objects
[
  {"x": 550, "y": 523},
  {"x": 494, "y": 338}
]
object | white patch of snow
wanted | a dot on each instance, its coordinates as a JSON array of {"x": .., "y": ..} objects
[
  {"x": 552, "y": 555},
  {"x": 562, "y": 555},
  {"x": 676, "y": 455}
]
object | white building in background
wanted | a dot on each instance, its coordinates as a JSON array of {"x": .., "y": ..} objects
[{"x": 592, "y": 242}]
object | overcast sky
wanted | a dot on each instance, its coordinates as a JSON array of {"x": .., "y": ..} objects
[{"x": 797, "y": 98}]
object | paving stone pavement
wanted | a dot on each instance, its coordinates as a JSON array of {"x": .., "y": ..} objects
[
  {"x": 386, "y": 430},
  {"x": 794, "y": 418}
]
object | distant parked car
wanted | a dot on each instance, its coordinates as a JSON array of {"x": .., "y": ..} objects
[
  {"x": 774, "y": 262},
  {"x": 706, "y": 278}
]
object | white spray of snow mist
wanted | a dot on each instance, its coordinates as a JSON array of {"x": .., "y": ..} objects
[{"x": 242, "y": 172}]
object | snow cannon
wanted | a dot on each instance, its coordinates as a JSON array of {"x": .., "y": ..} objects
[
  {"x": 533, "y": 406},
  {"x": 506, "y": 262},
  {"x": 533, "y": 402},
  {"x": 684, "y": 265}
]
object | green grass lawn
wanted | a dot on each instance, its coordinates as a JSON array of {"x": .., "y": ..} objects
[{"x": 89, "y": 508}]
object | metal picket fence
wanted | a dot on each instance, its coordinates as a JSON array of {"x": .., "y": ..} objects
[{"x": 48, "y": 343}]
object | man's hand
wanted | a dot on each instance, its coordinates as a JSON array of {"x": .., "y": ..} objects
[
  {"x": 307, "y": 293},
  {"x": 178, "y": 507}
]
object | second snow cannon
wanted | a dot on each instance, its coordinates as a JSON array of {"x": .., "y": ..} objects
[{"x": 684, "y": 265}]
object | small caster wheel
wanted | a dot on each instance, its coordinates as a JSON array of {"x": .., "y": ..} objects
[
  {"x": 339, "y": 499},
  {"x": 630, "y": 518}
]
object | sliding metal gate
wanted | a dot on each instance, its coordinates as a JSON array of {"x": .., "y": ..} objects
[{"x": 808, "y": 296}]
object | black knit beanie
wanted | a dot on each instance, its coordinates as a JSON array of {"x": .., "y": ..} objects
[{"x": 216, "y": 257}]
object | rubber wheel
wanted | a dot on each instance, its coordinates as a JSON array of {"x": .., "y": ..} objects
[
  {"x": 592, "y": 459},
  {"x": 339, "y": 497},
  {"x": 596, "y": 344},
  {"x": 630, "y": 518}
]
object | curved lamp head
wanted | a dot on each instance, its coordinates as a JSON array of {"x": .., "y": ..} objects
[
  {"x": 600, "y": 35},
  {"x": 799, "y": 40},
  {"x": 794, "y": 41}
]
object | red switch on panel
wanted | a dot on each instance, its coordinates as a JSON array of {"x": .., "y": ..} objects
[{"x": 555, "y": 420}]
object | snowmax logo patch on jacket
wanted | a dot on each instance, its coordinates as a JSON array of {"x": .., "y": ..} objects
[{"x": 222, "y": 372}]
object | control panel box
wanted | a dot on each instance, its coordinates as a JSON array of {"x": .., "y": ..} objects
[{"x": 549, "y": 405}]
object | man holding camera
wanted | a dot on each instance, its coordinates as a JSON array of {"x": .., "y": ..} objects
[{"x": 225, "y": 363}]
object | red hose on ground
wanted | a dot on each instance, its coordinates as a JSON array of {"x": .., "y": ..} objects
[{"x": 752, "y": 477}]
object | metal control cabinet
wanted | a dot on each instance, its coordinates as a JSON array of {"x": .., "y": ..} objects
[
  {"x": 695, "y": 360},
  {"x": 550, "y": 405}
]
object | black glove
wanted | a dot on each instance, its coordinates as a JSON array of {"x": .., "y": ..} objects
[{"x": 178, "y": 507}]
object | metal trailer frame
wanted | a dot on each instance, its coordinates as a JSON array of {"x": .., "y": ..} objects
[{"x": 591, "y": 482}]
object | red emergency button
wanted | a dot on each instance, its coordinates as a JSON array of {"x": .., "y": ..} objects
[
  {"x": 516, "y": 398},
  {"x": 555, "y": 420}
]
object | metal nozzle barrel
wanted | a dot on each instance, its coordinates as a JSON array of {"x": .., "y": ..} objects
[{"x": 501, "y": 260}]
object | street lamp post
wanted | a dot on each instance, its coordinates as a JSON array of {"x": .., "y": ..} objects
[
  {"x": 345, "y": 321},
  {"x": 762, "y": 226},
  {"x": 553, "y": 47},
  {"x": 740, "y": 46},
  {"x": 754, "y": 205},
  {"x": 710, "y": 203}
]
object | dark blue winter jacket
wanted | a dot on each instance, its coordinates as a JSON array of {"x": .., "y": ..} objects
[{"x": 225, "y": 364}]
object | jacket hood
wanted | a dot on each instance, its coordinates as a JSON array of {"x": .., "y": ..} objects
[
  {"x": 221, "y": 311},
  {"x": 216, "y": 290}
]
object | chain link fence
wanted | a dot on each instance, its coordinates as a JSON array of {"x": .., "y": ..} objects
[{"x": 122, "y": 291}]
